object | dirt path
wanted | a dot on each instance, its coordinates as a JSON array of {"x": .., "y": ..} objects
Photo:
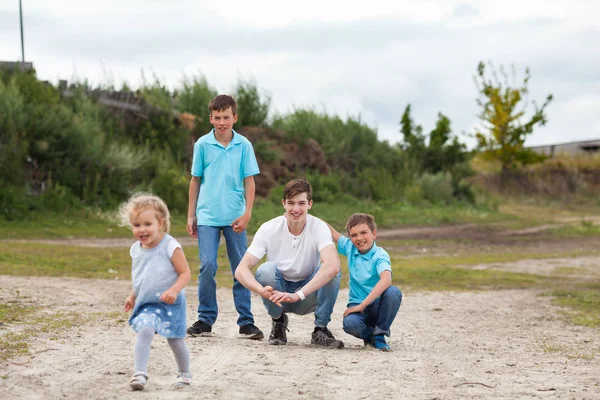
[{"x": 509, "y": 344}]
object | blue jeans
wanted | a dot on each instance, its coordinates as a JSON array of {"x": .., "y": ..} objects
[
  {"x": 377, "y": 317},
  {"x": 208, "y": 246},
  {"x": 320, "y": 302}
]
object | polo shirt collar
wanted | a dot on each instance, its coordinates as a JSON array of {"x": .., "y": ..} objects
[
  {"x": 235, "y": 140},
  {"x": 369, "y": 254}
]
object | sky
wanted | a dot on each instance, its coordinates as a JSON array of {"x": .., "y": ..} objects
[{"x": 360, "y": 59}]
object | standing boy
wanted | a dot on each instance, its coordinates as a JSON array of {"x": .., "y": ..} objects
[
  {"x": 302, "y": 272},
  {"x": 224, "y": 165},
  {"x": 373, "y": 302}
]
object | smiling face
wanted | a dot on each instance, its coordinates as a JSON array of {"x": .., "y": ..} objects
[
  {"x": 362, "y": 237},
  {"x": 223, "y": 122},
  {"x": 296, "y": 208},
  {"x": 147, "y": 228}
]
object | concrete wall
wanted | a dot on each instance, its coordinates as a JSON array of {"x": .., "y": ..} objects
[{"x": 572, "y": 148}]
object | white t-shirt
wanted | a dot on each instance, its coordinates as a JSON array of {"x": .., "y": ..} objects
[{"x": 297, "y": 257}]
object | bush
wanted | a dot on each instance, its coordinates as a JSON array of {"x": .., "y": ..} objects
[
  {"x": 437, "y": 189},
  {"x": 172, "y": 185}
]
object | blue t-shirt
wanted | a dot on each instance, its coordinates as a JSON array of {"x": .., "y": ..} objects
[
  {"x": 364, "y": 268},
  {"x": 221, "y": 200}
]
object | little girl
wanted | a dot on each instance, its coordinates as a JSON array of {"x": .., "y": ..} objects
[{"x": 159, "y": 273}]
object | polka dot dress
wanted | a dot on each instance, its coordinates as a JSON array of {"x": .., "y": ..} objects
[{"x": 152, "y": 273}]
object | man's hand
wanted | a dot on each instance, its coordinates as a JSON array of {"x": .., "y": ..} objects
[
  {"x": 240, "y": 224},
  {"x": 354, "y": 309},
  {"x": 283, "y": 297},
  {"x": 192, "y": 227},
  {"x": 266, "y": 292}
]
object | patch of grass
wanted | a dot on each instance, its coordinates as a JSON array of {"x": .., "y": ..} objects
[
  {"x": 571, "y": 271},
  {"x": 582, "y": 303},
  {"x": 444, "y": 272},
  {"x": 397, "y": 214},
  {"x": 13, "y": 311},
  {"x": 548, "y": 212},
  {"x": 571, "y": 353},
  {"x": 76, "y": 223},
  {"x": 575, "y": 230},
  {"x": 580, "y": 356},
  {"x": 88, "y": 223},
  {"x": 25, "y": 322},
  {"x": 33, "y": 259},
  {"x": 549, "y": 348}
]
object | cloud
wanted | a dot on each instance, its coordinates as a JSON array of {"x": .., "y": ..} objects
[
  {"x": 464, "y": 10},
  {"x": 362, "y": 61}
]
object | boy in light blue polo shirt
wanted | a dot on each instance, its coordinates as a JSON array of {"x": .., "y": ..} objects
[
  {"x": 372, "y": 302},
  {"x": 221, "y": 197}
]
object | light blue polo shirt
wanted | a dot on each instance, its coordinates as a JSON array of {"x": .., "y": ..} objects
[
  {"x": 364, "y": 268},
  {"x": 221, "y": 200}
]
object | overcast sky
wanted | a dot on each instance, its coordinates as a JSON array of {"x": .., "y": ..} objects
[{"x": 344, "y": 57}]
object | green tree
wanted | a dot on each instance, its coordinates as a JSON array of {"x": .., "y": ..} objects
[
  {"x": 253, "y": 109},
  {"x": 437, "y": 152},
  {"x": 194, "y": 99},
  {"x": 503, "y": 110}
]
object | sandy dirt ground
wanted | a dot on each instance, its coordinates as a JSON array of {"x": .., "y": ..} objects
[{"x": 449, "y": 345}]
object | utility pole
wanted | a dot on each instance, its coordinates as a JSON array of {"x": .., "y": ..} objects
[{"x": 22, "y": 41}]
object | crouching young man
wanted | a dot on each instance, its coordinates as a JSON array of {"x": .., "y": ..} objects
[{"x": 302, "y": 271}]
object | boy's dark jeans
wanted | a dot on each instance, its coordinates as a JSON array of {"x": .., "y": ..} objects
[{"x": 377, "y": 317}]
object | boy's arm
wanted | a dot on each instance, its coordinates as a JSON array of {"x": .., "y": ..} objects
[
  {"x": 385, "y": 281},
  {"x": 192, "y": 223},
  {"x": 334, "y": 234},
  {"x": 240, "y": 224}
]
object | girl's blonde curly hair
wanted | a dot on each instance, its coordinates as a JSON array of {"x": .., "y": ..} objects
[{"x": 140, "y": 202}]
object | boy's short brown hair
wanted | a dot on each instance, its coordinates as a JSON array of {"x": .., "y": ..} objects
[
  {"x": 360, "y": 218},
  {"x": 221, "y": 103},
  {"x": 296, "y": 187}
]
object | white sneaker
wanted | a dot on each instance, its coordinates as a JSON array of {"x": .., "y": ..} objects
[
  {"x": 138, "y": 381},
  {"x": 184, "y": 379}
]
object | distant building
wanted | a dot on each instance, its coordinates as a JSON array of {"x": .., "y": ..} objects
[
  {"x": 14, "y": 65},
  {"x": 570, "y": 148}
]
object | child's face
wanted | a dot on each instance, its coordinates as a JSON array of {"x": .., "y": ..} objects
[
  {"x": 362, "y": 237},
  {"x": 297, "y": 207},
  {"x": 223, "y": 121},
  {"x": 147, "y": 228}
]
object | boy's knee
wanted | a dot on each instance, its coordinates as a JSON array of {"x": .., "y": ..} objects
[
  {"x": 266, "y": 274},
  {"x": 351, "y": 325},
  {"x": 209, "y": 267},
  {"x": 393, "y": 294}
]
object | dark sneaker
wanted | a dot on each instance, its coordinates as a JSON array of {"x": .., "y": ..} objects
[
  {"x": 278, "y": 336},
  {"x": 378, "y": 341},
  {"x": 250, "y": 331},
  {"x": 324, "y": 337},
  {"x": 200, "y": 328}
]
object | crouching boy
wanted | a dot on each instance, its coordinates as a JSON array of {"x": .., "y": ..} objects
[{"x": 373, "y": 302}]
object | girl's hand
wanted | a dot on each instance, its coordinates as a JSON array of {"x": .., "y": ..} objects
[
  {"x": 169, "y": 296},
  {"x": 129, "y": 303}
]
